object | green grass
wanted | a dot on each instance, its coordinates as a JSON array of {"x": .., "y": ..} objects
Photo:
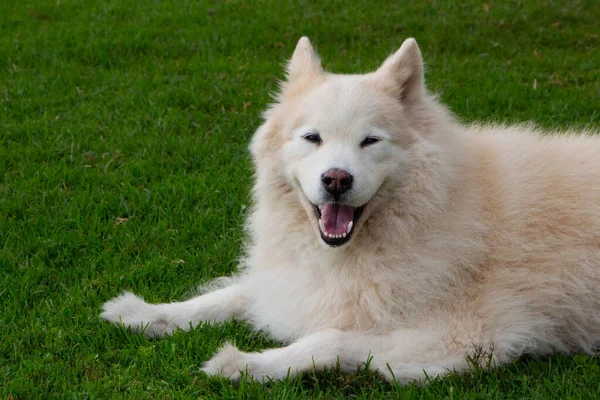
[{"x": 123, "y": 165}]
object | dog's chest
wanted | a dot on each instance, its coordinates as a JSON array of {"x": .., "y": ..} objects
[{"x": 292, "y": 302}]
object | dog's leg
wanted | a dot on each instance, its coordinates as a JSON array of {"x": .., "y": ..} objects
[
  {"x": 160, "y": 319},
  {"x": 405, "y": 355}
]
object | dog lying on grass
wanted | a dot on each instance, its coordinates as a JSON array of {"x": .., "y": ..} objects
[{"x": 384, "y": 230}]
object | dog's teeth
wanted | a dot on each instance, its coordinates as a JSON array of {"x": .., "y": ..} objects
[
  {"x": 320, "y": 207},
  {"x": 349, "y": 227},
  {"x": 344, "y": 235},
  {"x": 321, "y": 225}
]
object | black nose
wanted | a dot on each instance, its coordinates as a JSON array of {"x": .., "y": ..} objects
[{"x": 337, "y": 181}]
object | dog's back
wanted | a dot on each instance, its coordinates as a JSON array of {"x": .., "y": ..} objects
[{"x": 541, "y": 278}]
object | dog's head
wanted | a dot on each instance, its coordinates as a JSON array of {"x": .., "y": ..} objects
[{"x": 340, "y": 138}]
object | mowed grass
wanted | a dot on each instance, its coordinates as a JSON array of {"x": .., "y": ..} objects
[{"x": 123, "y": 166}]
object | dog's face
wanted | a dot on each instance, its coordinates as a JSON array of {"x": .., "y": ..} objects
[
  {"x": 339, "y": 152},
  {"x": 344, "y": 136}
]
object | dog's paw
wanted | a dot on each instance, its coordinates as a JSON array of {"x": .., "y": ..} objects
[
  {"x": 134, "y": 313},
  {"x": 229, "y": 362}
]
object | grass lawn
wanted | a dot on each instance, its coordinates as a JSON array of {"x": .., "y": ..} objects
[{"x": 123, "y": 165}]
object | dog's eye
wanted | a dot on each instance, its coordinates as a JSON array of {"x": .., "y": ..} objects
[
  {"x": 313, "y": 138},
  {"x": 369, "y": 140}
]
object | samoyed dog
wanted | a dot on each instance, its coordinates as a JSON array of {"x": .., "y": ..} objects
[{"x": 382, "y": 229}]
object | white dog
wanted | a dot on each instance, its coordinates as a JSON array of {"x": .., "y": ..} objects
[{"x": 383, "y": 229}]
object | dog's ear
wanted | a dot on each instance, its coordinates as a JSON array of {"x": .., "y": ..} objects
[
  {"x": 404, "y": 70},
  {"x": 304, "y": 61}
]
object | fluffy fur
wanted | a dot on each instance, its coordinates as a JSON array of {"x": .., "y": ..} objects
[{"x": 471, "y": 236}]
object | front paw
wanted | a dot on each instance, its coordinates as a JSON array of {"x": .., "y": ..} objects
[
  {"x": 230, "y": 362},
  {"x": 134, "y": 313}
]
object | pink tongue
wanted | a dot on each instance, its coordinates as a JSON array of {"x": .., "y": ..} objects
[{"x": 336, "y": 218}]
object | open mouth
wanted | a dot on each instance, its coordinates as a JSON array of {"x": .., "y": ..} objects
[{"x": 337, "y": 221}]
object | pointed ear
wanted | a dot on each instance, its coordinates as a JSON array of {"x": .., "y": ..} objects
[
  {"x": 403, "y": 71},
  {"x": 304, "y": 61}
]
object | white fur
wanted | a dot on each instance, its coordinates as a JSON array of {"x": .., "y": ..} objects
[{"x": 472, "y": 237}]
